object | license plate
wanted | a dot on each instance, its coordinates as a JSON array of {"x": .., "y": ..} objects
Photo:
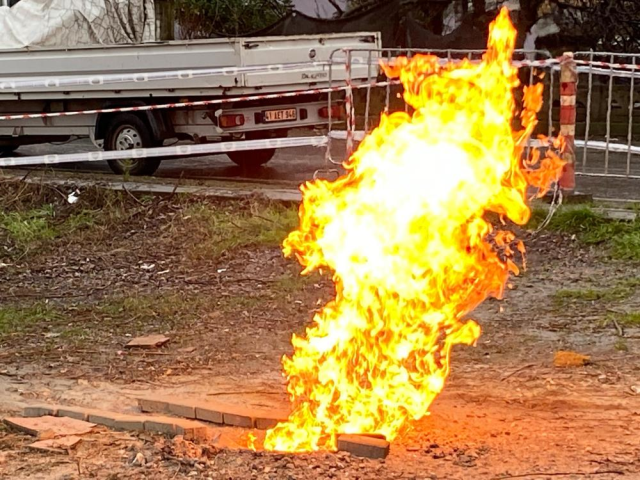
[{"x": 280, "y": 115}]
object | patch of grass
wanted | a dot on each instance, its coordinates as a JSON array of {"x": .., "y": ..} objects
[
  {"x": 621, "y": 239},
  {"x": 629, "y": 319},
  {"x": 31, "y": 226},
  {"x": 169, "y": 309},
  {"x": 16, "y": 319},
  {"x": 292, "y": 283},
  {"x": 219, "y": 230},
  {"x": 26, "y": 230},
  {"x": 621, "y": 291},
  {"x": 621, "y": 345}
]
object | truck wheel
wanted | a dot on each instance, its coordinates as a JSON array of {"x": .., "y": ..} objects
[
  {"x": 7, "y": 151},
  {"x": 251, "y": 159},
  {"x": 127, "y": 132}
]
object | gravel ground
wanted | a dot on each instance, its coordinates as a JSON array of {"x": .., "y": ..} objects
[{"x": 506, "y": 412}]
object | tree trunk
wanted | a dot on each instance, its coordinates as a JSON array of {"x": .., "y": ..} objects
[
  {"x": 479, "y": 7},
  {"x": 165, "y": 19}
]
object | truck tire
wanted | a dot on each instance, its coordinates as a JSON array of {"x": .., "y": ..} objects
[
  {"x": 253, "y": 159},
  {"x": 7, "y": 151},
  {"x": 127, "y": 132}
]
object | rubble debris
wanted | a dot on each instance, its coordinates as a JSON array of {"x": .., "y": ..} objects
[
  {"x": 363, "y": 446},
  {"x": 570, "y": 359},
  {"x": 149, "y": 341},
  {"x": 58, "y": 426}
]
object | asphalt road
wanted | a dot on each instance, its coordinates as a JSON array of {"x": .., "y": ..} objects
[
  {"x": 296, "y": 165},
  {"x": 290, "y": 165}
]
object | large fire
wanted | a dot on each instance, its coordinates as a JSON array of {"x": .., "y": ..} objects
[{"x": 405, "y": 234}]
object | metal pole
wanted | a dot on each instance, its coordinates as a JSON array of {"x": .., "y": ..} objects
[
  {"x": 568, "y": 90},
  {"x": 630, "y": 131},
  {"x": 609, "y": 105},
  {"x": 587, "y": 126}
]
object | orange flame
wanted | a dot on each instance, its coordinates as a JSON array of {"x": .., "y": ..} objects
[{"x": 405, "y": 233}]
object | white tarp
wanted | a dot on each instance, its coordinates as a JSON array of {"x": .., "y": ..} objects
[{"x": 69, "y": 23}]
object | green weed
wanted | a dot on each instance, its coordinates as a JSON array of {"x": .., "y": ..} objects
[
  {"x": 621, "y": 291},
  {"x": 220, "y": 230},
  {"x": 621, "y": 345},
  {"x": 16, "y": 319},
  {"x": 621, "y": 239}
]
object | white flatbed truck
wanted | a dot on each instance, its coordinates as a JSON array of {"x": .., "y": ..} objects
[{"x": 49, "y": 80}]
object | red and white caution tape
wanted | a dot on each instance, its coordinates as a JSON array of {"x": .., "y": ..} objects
[
  {"x": 174, "y": 151},
  {"x": 617, "y": 66},
  {"x": 610, "y": 72},
  {"x": 9, "y": 84},
  {"x": 197, "y": 103}
]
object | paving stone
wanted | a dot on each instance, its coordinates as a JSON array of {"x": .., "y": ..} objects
[
  {"x": 107, "y": 419},
  {"x": 40, "y": 411},
  {"x": 129, "y": 423},
  {"x": 162, "y": 425},
  {"x": 267, "y": 419},
  {"x": 191, "y": 430},
  {"x": 153, "y": 405},
  {"x": 238, "y": 417},
  {"x": 209, "y": 413},
  {"x": 362, "y": 446},
  {"x": 186, "y": 409},
  {"x": 74, "y": 412}
]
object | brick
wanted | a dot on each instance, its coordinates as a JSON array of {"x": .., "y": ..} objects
[
  {"x": 362, "y": 446},
  {"x": 191, "y": 430},
  {"x": 182, "y": 409},
  {"x": 130, "y": 423},
  {"x": 267, "y": 419},
  {"x": 107, "y": 419},
  {"x": 153, "y": 405},
  {"x": 238, "y": 417},
  {"x": 209, "y": 413},
  {"x": 162, "y": 425},
  {"x": 74, "y": 412},
  {"x": 40, "y": 411}
]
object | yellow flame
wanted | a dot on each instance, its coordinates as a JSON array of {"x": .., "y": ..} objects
[{"x": 404, "y": 233}]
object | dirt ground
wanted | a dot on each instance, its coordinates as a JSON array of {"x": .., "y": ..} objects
[{"x": 75, "y": 288}]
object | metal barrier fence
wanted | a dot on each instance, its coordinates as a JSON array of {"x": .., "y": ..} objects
[
  {"x": 607, "y": 107},
  {"x": 591, "y": 98},
  {"x": 380, "y": 94}
]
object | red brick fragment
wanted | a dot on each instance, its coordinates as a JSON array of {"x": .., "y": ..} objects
[{"x": 50, "y": 425}]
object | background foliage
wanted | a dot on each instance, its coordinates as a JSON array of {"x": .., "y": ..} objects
[{"x": 206, "y": 18}]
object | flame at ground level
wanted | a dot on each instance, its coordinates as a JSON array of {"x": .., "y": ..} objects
[{"x": 404, "y": 233}]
